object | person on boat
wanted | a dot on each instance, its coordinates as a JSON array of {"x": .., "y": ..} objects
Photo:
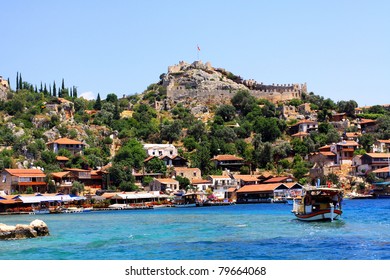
[
  {"x": 307, "y": 200},
  {"x": 335, "y": 200}
]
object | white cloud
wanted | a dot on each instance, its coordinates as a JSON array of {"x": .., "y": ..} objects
[{"x": 89, "y": 95}]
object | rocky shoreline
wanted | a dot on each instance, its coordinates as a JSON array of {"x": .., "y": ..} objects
[{"x": 21, "y": 231}]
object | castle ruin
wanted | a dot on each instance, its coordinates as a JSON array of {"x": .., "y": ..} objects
[{"x": 200, "y": 83}]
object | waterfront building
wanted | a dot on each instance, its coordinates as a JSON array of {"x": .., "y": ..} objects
[
  {"x": 90, "y": 178},
  {"x": 201, "y": 184},
  {"x": 243, "y": 180},
  {"x": 221, "y": 184},
  {"x": 373, "y": 161},
  {"x": 18, "y": 180},
  {"x": 187, "y": 172},
  {"x": 261, "y": 193},
  {"x": 164, "y": 185}
]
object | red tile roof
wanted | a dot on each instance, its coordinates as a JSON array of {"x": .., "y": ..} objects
[
  {"x": 167, "y": 181},
  {"x": 259, "y": 188},
  {"x": 382, "y": 170},
  {"x": 226, "y": 158},
  {"x": 77, "y": 169},
  {"x": 348, "y": 143},
  {"x": 196, "y": 181},
  {"x": 246, "y": 178},
  {"x": 60, "y": 174},
  {"x": 62, "y": 158},
  {"x": 328, "y": 154},
  {"x": 183, "y": 169},
  {"x": 353, "y": 134},
  {"x": 276, "y": 180},
  {"x": 366, "y": 121},
  {"x": 149, "y": 158},
  {"x": 66, "y": 141},
  {"x": 219, "y": 177},
  {"x": 378, "y": 155},
  {"x": 299, "y": 134},
  {"x": 26, "y": 172}
]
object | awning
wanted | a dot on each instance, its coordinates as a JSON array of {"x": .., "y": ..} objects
[
  {"x": 45, "y": 198},
  {"x": 8, "y": 201}
]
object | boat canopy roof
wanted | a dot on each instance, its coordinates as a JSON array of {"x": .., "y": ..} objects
[{"x": 324, "y": 191}]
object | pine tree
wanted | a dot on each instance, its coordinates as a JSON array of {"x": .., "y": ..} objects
[
  {"x": 54, "y": 89},
  {"x": 98, "y": 103}
]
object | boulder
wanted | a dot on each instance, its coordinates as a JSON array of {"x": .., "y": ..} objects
[
  {"x": 34, "y": 229},
  {"x": 40, "y": 227}
]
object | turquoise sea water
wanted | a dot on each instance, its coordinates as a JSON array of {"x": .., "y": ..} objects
[{"x": 239, "y": 232}]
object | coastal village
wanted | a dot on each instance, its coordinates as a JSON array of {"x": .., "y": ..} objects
[{"x": 201, "y": 136}]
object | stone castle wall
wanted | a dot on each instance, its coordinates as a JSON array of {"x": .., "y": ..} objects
[
  {"x": 178, "y": 95},
  {"x": 224, "y": 88}
]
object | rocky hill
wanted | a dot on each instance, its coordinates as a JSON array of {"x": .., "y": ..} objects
[{"x": 201, "y": 84}]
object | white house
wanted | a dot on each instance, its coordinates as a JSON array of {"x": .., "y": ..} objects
[
  {"x": 160, "y": 150},
  {"x": 221, "y": 184}
]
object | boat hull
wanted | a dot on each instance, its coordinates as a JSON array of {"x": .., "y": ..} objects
[
  {"x": 319, "y": 215},
  {"x": 185, "y": 205}
]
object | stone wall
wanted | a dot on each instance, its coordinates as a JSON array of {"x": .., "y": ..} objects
[
  {"x": 200, "y": 83},
  {"x": 195, "y": 96}
]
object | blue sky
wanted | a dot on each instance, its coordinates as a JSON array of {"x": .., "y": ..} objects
[{"x": 339, "y": 48}]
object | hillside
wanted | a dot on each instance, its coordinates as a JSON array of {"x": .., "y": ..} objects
[{"x": 202, "y": 110}]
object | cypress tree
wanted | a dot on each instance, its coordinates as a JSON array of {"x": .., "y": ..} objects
[
  {"x": 17, "y": 81},
  {"x": 63, "y": 85},
  {"x": 9, "y": 84},
  {"x": 20, "y": 81},
  {"x": 117, "y": 115},
  {"x": 74, "y": 92},
  {"x": 45, "y": 90},
  {"x": 50, "y": 90},
  {"x": 41, "y": 88},
  {"x": 98, "y": 103},
  {"x": 54, "y": 89}
]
